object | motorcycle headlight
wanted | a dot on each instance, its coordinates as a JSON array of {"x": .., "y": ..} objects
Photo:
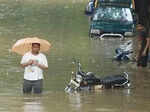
[{"x": 78, "y": 78}]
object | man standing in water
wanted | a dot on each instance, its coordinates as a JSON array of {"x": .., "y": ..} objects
[
  {"x": 143, "y": 47},
  {"x": 34, "y": 63},
  {"x": 142, "y": 8}
]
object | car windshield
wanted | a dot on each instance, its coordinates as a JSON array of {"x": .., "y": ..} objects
[{"x": 113, "y": 14}]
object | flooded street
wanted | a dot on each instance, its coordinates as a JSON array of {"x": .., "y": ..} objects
[{"x": 64, "y": 24}]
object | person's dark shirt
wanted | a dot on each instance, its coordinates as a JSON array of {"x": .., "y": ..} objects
[
  {"x": 142, "y": 8},
  {"x": 142, "y": 35}
]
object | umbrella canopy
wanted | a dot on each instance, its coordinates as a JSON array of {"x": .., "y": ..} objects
[{"x": 23, "y": 46}]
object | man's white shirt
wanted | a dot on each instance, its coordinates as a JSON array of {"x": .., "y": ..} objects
[{"x": 33, "y": 72}]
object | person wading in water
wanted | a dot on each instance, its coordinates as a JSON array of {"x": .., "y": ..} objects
[
  {"x": 34, "y": 63},
  {"x": 142, "y": 8}
]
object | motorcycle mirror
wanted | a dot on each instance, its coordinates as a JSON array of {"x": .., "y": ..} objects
[
  {"x": 72, "y": 72},
  {"x": 74, "y": 61}
]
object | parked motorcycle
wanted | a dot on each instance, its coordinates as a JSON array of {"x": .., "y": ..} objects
[{"x": 81, "y": 80}]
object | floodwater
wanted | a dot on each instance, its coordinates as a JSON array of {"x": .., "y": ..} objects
[{"x": 63, "y": 24}]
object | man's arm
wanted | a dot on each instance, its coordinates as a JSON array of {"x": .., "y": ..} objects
[
  {"x": 147, "y": 46},
  {"x": 40, "y": 65},
  {"x": 27, "y": 64}
]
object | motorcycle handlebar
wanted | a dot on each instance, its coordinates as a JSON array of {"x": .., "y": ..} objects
[{"x": 77, "y": 62}]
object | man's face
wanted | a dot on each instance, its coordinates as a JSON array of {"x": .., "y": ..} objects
[{"x": 35, "y": 48}]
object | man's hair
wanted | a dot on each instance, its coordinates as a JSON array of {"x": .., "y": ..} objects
[{"x": 36, "y": 44}]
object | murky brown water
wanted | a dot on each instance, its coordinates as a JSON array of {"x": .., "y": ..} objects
[{"x": 65, "y": 26}]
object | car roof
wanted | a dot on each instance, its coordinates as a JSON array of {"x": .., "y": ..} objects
[{"x": 117, "y": 3}]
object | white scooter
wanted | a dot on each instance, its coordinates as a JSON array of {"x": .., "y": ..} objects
[{"x": 124, "y": 52}]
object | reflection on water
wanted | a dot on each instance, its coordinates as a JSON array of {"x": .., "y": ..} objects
[
  {"x": 101, "y": 101},
  {"x": 75, "y": 101},
  {"x": 33, "y": 104}
]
